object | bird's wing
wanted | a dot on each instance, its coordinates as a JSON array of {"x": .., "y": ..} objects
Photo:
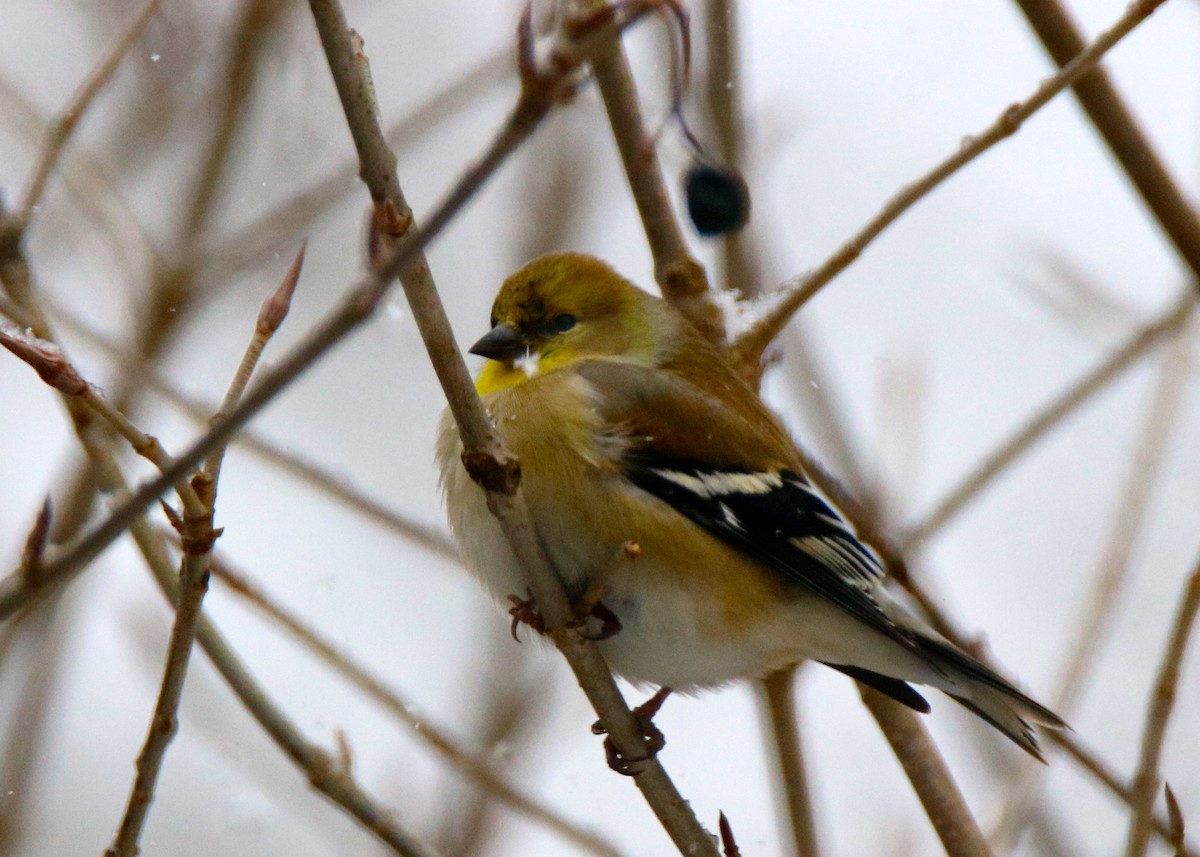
[{"x": 737, "y": 478}]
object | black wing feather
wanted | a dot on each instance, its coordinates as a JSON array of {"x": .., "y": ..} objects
[{"x": 781, "y": 520}]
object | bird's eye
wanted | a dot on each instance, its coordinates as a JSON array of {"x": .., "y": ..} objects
[{"x": 563, "y": 323}]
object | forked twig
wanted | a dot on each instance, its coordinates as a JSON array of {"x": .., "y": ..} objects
[{"x": 197, "y": 537}]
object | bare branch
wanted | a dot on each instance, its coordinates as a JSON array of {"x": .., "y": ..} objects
[
  {"x": 1162, "y": 701},
  {"x": 793, "y": 294},
  {"x": 931, "y": 780},
  {"x": 325, "y": 480},
  {"x": 1121, "y": 132},
  {"x": 785, "y": 747}
]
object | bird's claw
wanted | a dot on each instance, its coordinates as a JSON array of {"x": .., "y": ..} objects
[
  {"x": 610, "y": 625},
  {"x": 654, "y": 738},
  {"x": 525, "y": 611}
]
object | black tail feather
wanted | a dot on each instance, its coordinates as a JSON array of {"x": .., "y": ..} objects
[{"x": 888, "y": 686}]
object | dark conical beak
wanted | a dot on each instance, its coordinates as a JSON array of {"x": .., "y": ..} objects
[{"x": 502, "y": 342}]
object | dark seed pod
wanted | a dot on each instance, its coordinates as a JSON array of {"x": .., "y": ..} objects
[{"x": 718, "y": 200}]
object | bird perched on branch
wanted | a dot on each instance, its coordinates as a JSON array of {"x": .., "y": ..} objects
[{"x": 665, "y": 491}]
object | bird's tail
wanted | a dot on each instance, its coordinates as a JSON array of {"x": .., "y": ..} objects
[{"x": 987, "y": 694}]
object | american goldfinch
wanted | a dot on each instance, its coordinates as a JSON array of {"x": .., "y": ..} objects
[{"x": 656, "y": 477}]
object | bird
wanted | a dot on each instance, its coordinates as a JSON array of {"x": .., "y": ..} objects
[{"x": 667, "y": 495}]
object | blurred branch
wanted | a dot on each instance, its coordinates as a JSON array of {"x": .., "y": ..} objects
[
  {"x": 436, "y": 737},
  {"x": 1144, "y": 471},
  {"x": 172, "y": 288},
  {"x": 1162, "y": 702},
  {"x": 1120, "y": 131},
  {"x": 1165, "y": 326},
  {"x": 930, "y": 778},
  {"x": 227, "y": 256},
  {"x": 485, "y": 456},
  {"x": 92, "y": 195},
  {"x": 781, "y": 305},
  {"x": 786, "y": 748},
  {"x": 60, "y": 130},
  {"x": 724, "y": 96},
  {"x": 41, "y": 638}
]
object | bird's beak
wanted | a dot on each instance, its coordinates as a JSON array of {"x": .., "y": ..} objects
[{"x": 502, "y": 342}]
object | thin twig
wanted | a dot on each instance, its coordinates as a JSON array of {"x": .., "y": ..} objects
[
  {"x": 793, "y": 294},
  {"x": 470, "y": 766},
  {"x": 1162, "y": 702},
  {"x": 782, "y": 732},
  {"x": 1141, "y": 343},
  {"x": 931, "y": 780},
  {"x": 60, "y": 130},
  {"x": 1120, "y": 130},
  {"x": 196, "y": 538},
  {"x": 270, "y": 316}
]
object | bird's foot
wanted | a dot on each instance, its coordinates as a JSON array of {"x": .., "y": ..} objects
[
  {"x": 610, "y": 625},
  {"x": 525, "y": 611},
  {"x": 655, "y": 740}
]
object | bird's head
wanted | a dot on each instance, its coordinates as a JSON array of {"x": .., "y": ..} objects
[{"x": 562, "y": 308}]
